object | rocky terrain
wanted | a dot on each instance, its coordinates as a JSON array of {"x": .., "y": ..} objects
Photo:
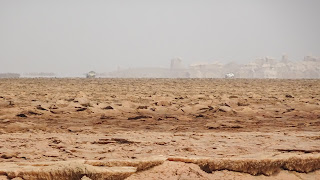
[{"x": 159, "y": 129}]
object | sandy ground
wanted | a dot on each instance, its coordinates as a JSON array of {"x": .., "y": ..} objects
[{"x": 184, "y": 122}]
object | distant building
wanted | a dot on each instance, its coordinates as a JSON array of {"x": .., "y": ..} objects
[
  {"x": 311, "y": 58},
  {"x": 91, "y": 74},
  {"x": 285, "y": 58},
  {"x": 176, "y": 63}
]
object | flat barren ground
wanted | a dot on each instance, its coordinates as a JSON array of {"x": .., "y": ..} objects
[{"x": 159, "y": 129}]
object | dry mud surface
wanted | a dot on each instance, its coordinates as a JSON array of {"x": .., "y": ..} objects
[{"x": 159, "y": 129}]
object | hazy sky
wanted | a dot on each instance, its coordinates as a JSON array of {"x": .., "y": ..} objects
[{"x": 77, "y": 36}]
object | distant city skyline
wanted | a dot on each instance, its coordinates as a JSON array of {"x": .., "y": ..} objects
[
  {"x": 175, "y": 63},
  {"x": 265, "y": 67}
]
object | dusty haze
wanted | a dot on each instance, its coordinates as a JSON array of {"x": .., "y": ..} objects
[{"x": 74, "y": 37}]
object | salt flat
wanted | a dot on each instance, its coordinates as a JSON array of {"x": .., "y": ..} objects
[{"x": 186, "y": 122}]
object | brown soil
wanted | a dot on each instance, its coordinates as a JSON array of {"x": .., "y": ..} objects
[{"x": 199, "y": 128}]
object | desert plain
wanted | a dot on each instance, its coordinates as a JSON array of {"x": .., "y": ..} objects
[{"x": 52, "y": 128}]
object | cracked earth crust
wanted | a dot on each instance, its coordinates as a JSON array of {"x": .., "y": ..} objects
[{"x": 159, "y": 129}]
